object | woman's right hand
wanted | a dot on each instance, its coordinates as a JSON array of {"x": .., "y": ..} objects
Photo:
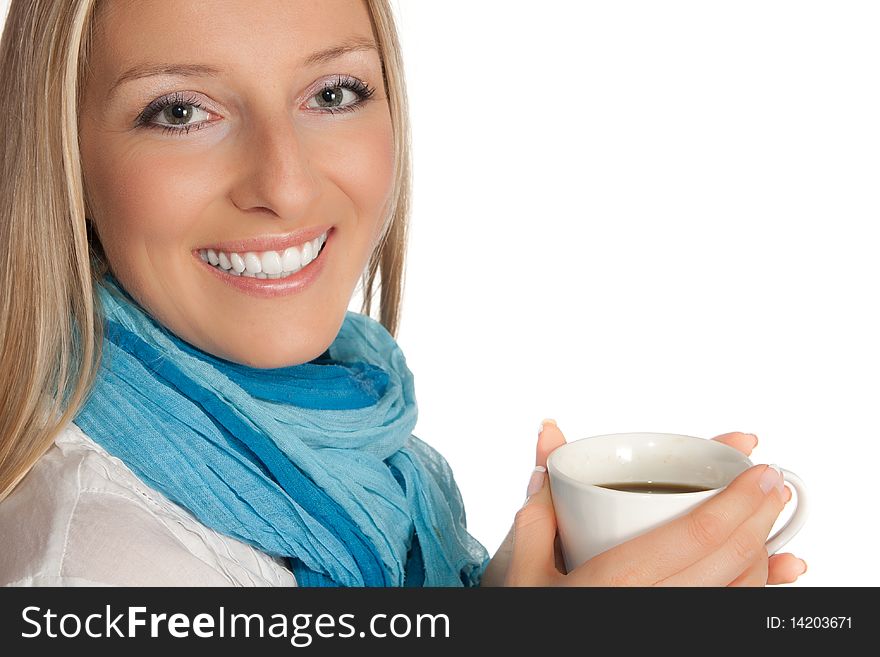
[{"x": 719, "y": 543}]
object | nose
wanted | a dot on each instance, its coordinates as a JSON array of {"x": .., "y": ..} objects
[{"x": 276, "y": 174}]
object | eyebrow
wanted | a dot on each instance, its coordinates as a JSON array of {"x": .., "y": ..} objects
[{"x": 149, "y": 69}]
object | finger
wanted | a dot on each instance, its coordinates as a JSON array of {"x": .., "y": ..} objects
[
  {"x": 745, "y": 545},
  {"x": 785, "y": 568},
  {"x": 754, "y": 575},
  {"x": 744, "y": 442},
  {"x": 778, "y": 569},
  {"x": 549, "y": 438},
  {"x": 532, "y": 561},
  {"x": 682, "y": 542}
]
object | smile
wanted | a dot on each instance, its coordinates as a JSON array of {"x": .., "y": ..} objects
[
  {"x": 266, "y": 264},
  {"x": 270, "y": 274}
]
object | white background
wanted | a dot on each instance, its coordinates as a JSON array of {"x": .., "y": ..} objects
[
  {"x": 649, "y": 216},
  {"x": 643, "y": 216}
]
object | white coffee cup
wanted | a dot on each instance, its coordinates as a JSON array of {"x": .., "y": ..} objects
[{"x": 592, "y": 519}]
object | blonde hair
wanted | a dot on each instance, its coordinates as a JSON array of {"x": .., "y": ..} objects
[{"x": 50, "y": 260}]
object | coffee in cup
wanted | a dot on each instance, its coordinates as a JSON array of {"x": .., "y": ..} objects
[{"x": 658, "y": 487}]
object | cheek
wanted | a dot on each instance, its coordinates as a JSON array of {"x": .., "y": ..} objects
[
  {"x": 362, "y": 167},
  {"x": 146, "y": 201},
  {"x": 378, "y": 166}
]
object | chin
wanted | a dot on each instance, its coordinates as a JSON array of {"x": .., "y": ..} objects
[
  {"x": 279, "y": 351},
  {"x": 273, "y": 359},
  {"x": 258, "y": 345}
]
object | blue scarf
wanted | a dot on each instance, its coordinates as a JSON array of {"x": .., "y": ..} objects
[{"x": 314, "y": 462}]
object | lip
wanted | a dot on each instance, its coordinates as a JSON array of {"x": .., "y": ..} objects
[
  {"x": 269, "y": 288},
  {"x": 268, "y": 242}
]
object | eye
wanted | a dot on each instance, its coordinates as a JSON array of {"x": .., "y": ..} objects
[
  {"x": 330, "y": 97},
  {"x": 176, "y": 110}
]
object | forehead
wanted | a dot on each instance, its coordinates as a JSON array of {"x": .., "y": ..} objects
[{"x": 225, "y": 32}]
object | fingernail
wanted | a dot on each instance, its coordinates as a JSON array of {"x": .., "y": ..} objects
[
  {"x": 543, "y": 422},
  {"x": 805, "y": 567},
  {"x": 780, "y": 485},
  {"x": 536, "y": 481},
  {"x": 755, "y": 444},
  {"x": 771, "y": 478}
]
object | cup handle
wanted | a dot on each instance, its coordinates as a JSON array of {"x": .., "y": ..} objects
[{"x": 798, "y": 517}]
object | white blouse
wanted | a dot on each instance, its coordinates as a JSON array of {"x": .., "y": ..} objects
[{"x": 80, "y": 517}]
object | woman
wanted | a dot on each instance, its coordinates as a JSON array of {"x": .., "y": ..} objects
[{"x": 194, "y": 193}]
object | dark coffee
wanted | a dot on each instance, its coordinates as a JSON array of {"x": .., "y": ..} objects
[{"x": 653, "y": 487}]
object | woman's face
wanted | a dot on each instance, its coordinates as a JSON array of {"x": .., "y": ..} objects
[{"x": 269, "y": 144}]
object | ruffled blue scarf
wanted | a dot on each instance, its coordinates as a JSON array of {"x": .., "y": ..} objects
[{"x": 314, "y": 462}]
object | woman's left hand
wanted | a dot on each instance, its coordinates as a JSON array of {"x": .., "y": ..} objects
[{"x": 782, "y": 568}]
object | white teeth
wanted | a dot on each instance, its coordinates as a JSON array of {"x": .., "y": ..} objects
[
  {"x": 316, "y": 246},
  {"x": 253, "y": 263},
  {"x": 292, "y": 259},
  {"x": 271, "y": 262},
  {"x": 237, "y": 262},
  {"x": 265, "y": 264},
  {"x": 307, "y": 253}
]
